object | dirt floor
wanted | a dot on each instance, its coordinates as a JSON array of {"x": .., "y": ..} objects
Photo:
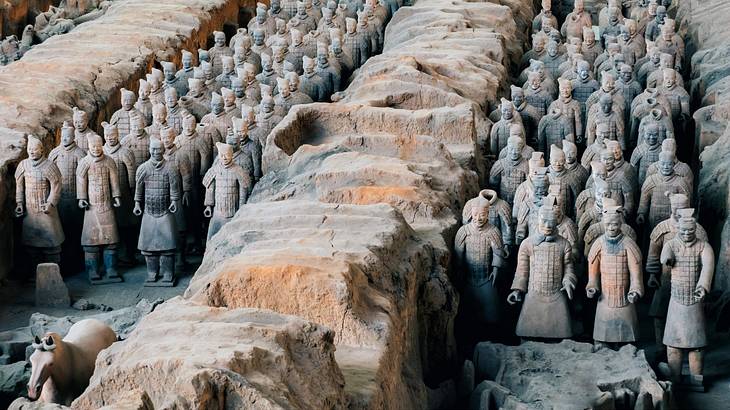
[{"x": 17, "y": 299}]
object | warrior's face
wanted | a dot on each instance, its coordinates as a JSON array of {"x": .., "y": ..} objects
[
  {"x": 258, "y": 37},
  {"x": 217, "y": 106},
  {"x": 666, "y": 167},
  {"x": 480, "y": 216},
  {"x": 96, "y": 149},
  {"x": 583, "y": 73},
  {"x": 127, "y": 102},
  {"x": 612, "y": 226},
  {"x": 547, "y": 225},
  {"x": 627, "y": 76},
  {"x": 608, "y": 160},
  {"x": 220, "y": 40},
  {"x": 67, "y": 136},
  {"x": 188, "y": 124},
  {"x": 606, "y": 105},
  {"x": 226, "y": 157},
  {"x": 157, "y": 151},
  {"x": 80, "y": 122},
  {"x": 518, "y": 98},
  {"x": 557, "y": 162},
  {"x": 552, "y": 49},
  {"x": 169, "y": 73},
  {"x": 514, "y": 151},
  {"x": 112, "y": 138},
  {"x": 652, "y": 136},
  {"x": 566, "y": 91},
  {"x": 507, "y": 112},
  {"x": 687, "y": 232}
]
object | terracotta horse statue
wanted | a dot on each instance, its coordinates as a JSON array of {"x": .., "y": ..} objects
[{"x": 61, "y": 368}]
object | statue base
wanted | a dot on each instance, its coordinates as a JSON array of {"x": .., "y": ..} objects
[
  {"x": 105, "y": 280},
  {"x": 160, "y": 284}
]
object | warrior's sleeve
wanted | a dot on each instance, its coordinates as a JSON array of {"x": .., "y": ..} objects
[
  {"x": 186, "y": 174},
  {"x": 175, "y": 193},
  {"x": 140, "y": 176},
  {"x": 522, "y": 272},
  {"x": 684, "y": 103},
  {"x": 590, "y": 129},
  {"x": 459, "y": 244},
  {"x": 568, "y": 267},
  {"x": 629, "y": 198},
  {"x": 129, "y": 162},
  {"x": 493, "y": 140},
  {"x": 621, "y": 132},
  {"x": 256, "y": 158},
  {"x": 656, "y": 242},
  {"x": 506, "y": 217},
  {"x": 205, "y": 156},
  {"x": 495, "y": 175},
  {"x": 53, "y": 174},
  {"x": 708, "y": 267},
  {"x": 594, "y": 265},
  {"x": 645, "y": 199},
  {"x": 497, "y": 249},
  {"x": 541, "y": 146},
  {"x": 244, "y": 185},
  {"x": 20, "y": 183},
  {"x": 82, "y": 180},
  {"x": 636, "y": 156},
  {"x": 634, "y": 261},
  {"x": 209, "y": 183},
  {"x": 522, "y": 223},
  {"x": 578, "y": 121},
  {"x": 667, "y": 253},
  {"x": 114, "y": 178}
]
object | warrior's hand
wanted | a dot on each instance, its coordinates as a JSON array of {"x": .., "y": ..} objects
[
  {"x": 670, "y": 261},
  {"x": 579, "y": 139},
  {"x": 633, "y": 297},
  {"x": 208, "y": 211},
  {"x": 653, "y": 281},
  {"x": 186, "y": 199},
  {"x": 700, "y": 293},
  {"x": 46, "y": 207},
  {"x": 19, "y": 210},
  {"x": 493, "y": 276},
  {"x": 173, "y": 207},
  {"x": 568, "y": 288},
  {"x": 137, "y": 209},
  {"x": 83, "y": 204},
  {"x": 640, "y": 219},
  {"x": 591, "y": 292},
  {"x": 505, "y": 249},
  {"x": 117, "y": 202},
  {"x": 514, "y": 297}
]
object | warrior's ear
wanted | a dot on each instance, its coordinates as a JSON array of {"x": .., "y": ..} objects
[
  {"x": 37, "y": 340},
  {"x": 49, "y": 340}
]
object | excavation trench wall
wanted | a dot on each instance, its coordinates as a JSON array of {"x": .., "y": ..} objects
[
  {"x": 704, "y": 23},
  {"x": 86, "y": 68},
  {"x": 352, "y": 224}
]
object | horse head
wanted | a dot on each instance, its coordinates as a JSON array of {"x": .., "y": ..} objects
[{"x": 42, "y": 361}]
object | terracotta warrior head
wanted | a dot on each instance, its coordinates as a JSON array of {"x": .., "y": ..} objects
[
  {"x": 687, "y": 226},
  {"x": 601, "y": 192},
  {"x": 143, "y": 90},
  {"x": 189, "y": 124},
  {"x": 518, "y": 95},
  {"x": 514, "y": 148},
  {"x": 35, "y": 148},
  {"x": 677, "y": 202},
  {"x": 68, "y": 137},
  {"x": 602, "y": 133},
  {"x": 187, "y": 60},
  {"x": 598, "y": 170},
  {"x": 220, "y": 38},
  {"x": 506, "y": 109},
  {"x": 612, "y": 218},
  {"x": 170, "y": 98},
  {"x": 608, "y": 160},
  {"x": 159, "y": 114},
  {"x": 111, "y": 134},
  {"x": 136, "y": 124},
  {"x": 606, "y": 103},
  {"x": 547, "y": 220},
  {"x": 80, "y": 119},
  {"x": 233, "y": 138},
  {"x": 216, "y": 103},
  {"x": 666, "y": 164},
  {"x": 571, "y": 152},
  {"x": 557, "y": 158},
  {"x": 169, "y": 70},
  {"x": 480, "y": 212},
  {"x": 128, "y": 99},
  {"x": 670, "y": 78},
  {"x": 651, "y": 135}
]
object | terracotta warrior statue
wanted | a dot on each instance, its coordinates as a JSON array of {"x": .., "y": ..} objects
[
  {"x": 528, "y": 213},
  {"x": 185, "y": 73},
  {"x": 691, "y": 264},
  {"x": 577, "y": 173},
  {"x": 137, "y": 141},
  {"x": 659, "y": 277},
  {"x": 126, "y": 164},
  {"x": 526, "y": 190},
  {"x": 156, "y": 199},
  {"x": 568, "y": 184},
  {"x": 583, "y": 87},
  {"x": 98, "y": 192},
  {"x": 613, "y": 118},
  {"x": 544, "y": 271},
  {"x": 177, "y": 161},
  {"x": 66, "y": 157},
  {"x": 81, "y": 128},
  {"x": 480, "y": 253},
  {"x": 500, "y": 215},
  {"x": 570, "y": 107},
  {"x": 121, "y": 118},
  {"x": 159, "y": 121},
  {"x": 529, "y": 114},
  {"x": 157, "y": 91},
  {"x": 508, "y": 173},
  {"x": 169, "y": 71},
  {"x": 553, "y": 129},
  {"x": 226, "y": 189},
  {"x": 647, "y": 152},
  {"x": 501, "y": 129},
  {"x": 536, "y": 95},
  {"x": 614, "y": 270},
  {"x": 682, "y": 169},
  {"x": 37, "y": 194},
  {"x": 144, "y": 104},
  {"x": 654, "y": 205},
  {"x": 219, "y": 50}
]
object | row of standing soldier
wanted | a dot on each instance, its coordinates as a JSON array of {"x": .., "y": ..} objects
[
  {"x": 572, "y": 223},
  {"x": 148, "y": 183}
]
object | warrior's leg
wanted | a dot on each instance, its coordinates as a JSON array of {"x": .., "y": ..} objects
[
  {"x": 167, "y": 266},
  {"x": 153, "y": 265},
  {"x": 674, "y": 360},
  {"x": 659, "y": 323},
  {"x": 696, "y": 359},
  {"x": 110, "y": 261},
  {"x": 182, "y": 248},
  {"x": 91, "y": 261}
]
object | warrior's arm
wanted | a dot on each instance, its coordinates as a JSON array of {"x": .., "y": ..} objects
[
  {"x": 497, "y": 252},
  {"x": 82, "y": 181},
  {"x": 645, "y": 199},
  {"x": 708, "y": 267},
  {"x": 495, "y": 175},
  {"x": 460, "y": 244},
  {"x": 653, "y": 265},
  {"x": 54, "y": 179},
  {"x": 256, "y": 158},
  {"x": 568, "y": 267},
  {"x": 186, "y": 175},
  {"x": 175, "y": 193},
  {"x": 129, "y": 162},
  {"x": 578, "y": 122},
  {"x": 594, "y": 266},
  {"x": 209, "y": 183},
  {"x": 114, "y": 178},
  {"x": 634, "y": 261},
  {"x": 20, "y": 184},
  {"x": 244, "y": 183},
  {"x": 205, "y": 156},
  {"x": 522, "y": 272}
]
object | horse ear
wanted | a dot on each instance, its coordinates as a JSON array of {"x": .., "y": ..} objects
[
  {"x": 49, "y": 340},
  {"x": 37, "y": 340}
]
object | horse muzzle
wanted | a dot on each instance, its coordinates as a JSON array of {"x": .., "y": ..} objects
[{"x": 34, "y": 391}]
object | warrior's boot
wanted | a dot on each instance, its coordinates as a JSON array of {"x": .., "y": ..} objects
[
  {"x": 153, "y": 267},
  {"x": 167, "y": 267},
  {"x": 110, "y": 262},
  {"x": 91, "y": 261}
]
